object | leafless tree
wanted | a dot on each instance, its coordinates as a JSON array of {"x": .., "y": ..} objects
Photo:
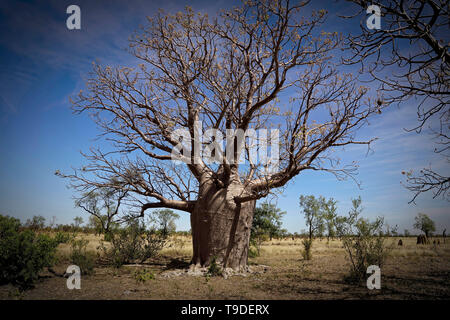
[
  {"x": 228, "y": 73},
  {"x": 409, "y": 56}
]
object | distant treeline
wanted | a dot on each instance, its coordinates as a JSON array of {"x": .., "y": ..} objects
[{"x": 40, "y": 223}]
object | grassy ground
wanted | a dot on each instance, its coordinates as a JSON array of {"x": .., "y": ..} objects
[{"x": 411, "y": 272}]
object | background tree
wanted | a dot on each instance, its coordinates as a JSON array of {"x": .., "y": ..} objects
[
  {"x": 35, "y": 223},
  {"x": 228, "y": 73},
  {"x": 103, "y": 204},
  {"x": 165, "y": 218},
  {"x": 77, "y": 222},
  {"x": 406, "y": 233},
  {"x": 52, "y": 223},
  {"x": 267, "y": 220},
  {"x": 425, "y": 224},
  {"x": 393, "y": 230},
  {"x": 266, "y": 224},
  {"x": 312, "y": 209},
  {"x": 95, "y": 224},
  {"x": 329, "y": 215},
  {"x": 101, "y": 226},
  {"x": 409, "y": 57}
]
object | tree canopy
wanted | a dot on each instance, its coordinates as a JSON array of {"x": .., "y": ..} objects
[
  {"x": 267, "y": 221},
  {"x": 226, "y": 73},
  {"x": 424, "y": 224}
]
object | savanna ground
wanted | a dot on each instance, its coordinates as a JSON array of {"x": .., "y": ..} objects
[{"x": 411, "y": 272}]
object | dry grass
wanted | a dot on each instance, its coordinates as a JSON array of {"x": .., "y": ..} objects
[
  {"x": 94, "y": 242},
  {"x": 412, "y": 271}
]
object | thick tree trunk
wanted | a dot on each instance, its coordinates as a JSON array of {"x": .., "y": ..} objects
[{"x": 221, "y": 228}]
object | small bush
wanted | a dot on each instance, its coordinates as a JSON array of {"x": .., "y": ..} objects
[
  {"x": 363, "y": 241},
  {"x": 364, "y": 250},
  {"x": 144, "y": 275},
  {"x": 256, "y": 241},
  {"x": 307, "y": 245},
  {"x": 80, "y": 257},
  {"x": 253, "y": 252},
  {"x": 133, "y": 244},
  {"x": 108, "y": 236},
  {"x": 214, "y": 269},
  {"x": 62, "y": 237},
  {"x": 23, "y": 254}
]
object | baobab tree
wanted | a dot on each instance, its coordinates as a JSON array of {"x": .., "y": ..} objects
[
  {"x": 227, "y": 73},
  {"x": 409, "y": 58}
]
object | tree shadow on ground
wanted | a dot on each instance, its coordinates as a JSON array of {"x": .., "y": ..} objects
[{"x": 177, "y": 263}]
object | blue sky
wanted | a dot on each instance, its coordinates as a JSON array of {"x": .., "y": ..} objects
[{"x": 43, "y": 63}]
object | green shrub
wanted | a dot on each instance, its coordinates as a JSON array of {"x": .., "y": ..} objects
[
  {"x": 365, "y": 248},
  {"x": 266, "y": 225},
  {"x": 363, "y": 241},
  {"x": 214, "y": 269},
  {"x": 80, "y": 257},
  {"x": 62, "y": 237},
  {"x": 253, "y": 252},
  {"x": 143, "y": 275},
  {"x": 108, "y": 236},
  {"x": 132, "y": 244},
  {"x": 23, "y": 254},
  {"x": 256, "y": 241}
]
